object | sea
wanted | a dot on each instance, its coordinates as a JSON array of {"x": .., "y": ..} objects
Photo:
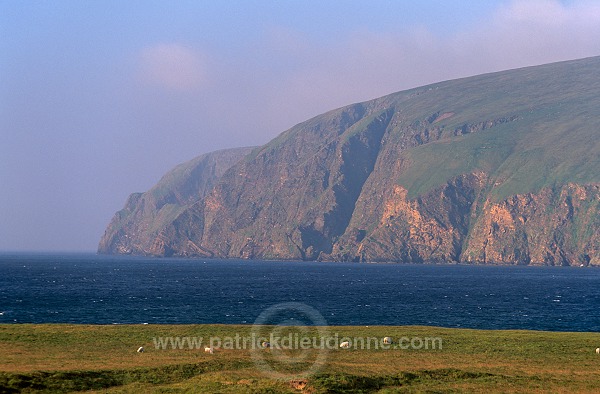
[{"x": 98, "y": 289}]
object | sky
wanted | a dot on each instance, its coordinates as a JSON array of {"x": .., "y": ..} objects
[{"x": 98, "y": 99}]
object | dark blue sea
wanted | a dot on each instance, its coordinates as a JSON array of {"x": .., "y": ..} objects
[{"x": 92, "y": 289}]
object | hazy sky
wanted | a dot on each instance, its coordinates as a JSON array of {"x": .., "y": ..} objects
[{"x": 99, "y": 99}]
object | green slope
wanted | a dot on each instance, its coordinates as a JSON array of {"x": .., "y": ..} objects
[{"x": 554, "y": 140}]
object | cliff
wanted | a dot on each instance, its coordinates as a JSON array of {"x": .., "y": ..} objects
[
  {"x": 135, "y": 228},
  {"x": 499, "y": 168}
]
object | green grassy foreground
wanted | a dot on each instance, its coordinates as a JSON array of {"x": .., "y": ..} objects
[{"x": 67, "y": 358}]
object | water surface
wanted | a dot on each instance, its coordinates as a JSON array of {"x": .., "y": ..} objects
[{"x": 92, "y": 289}]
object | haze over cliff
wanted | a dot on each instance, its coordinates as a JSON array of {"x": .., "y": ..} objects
[{"x": 496, "y": 168}]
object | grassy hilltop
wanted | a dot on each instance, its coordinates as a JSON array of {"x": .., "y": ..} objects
[{"x": 66, "y": 358}]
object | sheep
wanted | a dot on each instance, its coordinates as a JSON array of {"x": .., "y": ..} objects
[
  {"x": 598, "y": 350},
  {"x": 345, "y": 345},
  {"x": 265, "y": 344},
  {"x": 209, "y": 349},
  {"x": 388, "y": 341},
  {"x": 140, "y": 349}
]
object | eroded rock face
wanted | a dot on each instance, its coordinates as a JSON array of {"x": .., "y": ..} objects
[
  {"x": 431, "y": 228},
  {"x": 556, "y": 226},
  {"x": 495, "y": 169},
  {"x": 137, "y": 228}
]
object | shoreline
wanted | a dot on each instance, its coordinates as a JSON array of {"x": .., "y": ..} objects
[
  {"x": 249, "y": 325},
  {"x": 92, "y": 254}
]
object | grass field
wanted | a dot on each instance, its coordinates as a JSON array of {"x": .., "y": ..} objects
[{"x": 67, "y": 358}]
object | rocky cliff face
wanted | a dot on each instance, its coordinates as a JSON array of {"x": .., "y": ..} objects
[
  {"x": 135, "y": 228},
  {"x": 456, "y": 223},
  {"x": 495, "y": 169},
  {"x": 556, "y": 226}
]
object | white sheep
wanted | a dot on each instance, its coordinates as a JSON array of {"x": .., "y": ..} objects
[
  {"x": 388, "y": 341},
  {"x": 140, "y": 349},
  {"x": 209, "y": 349},
  {"x": 598, "y": 350},
  {"x": 345, "y": 344}
]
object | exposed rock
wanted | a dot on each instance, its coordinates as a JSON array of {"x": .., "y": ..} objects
[
  {"x": 556, "y": 226},
  {"x": 135, "y": 229}
]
